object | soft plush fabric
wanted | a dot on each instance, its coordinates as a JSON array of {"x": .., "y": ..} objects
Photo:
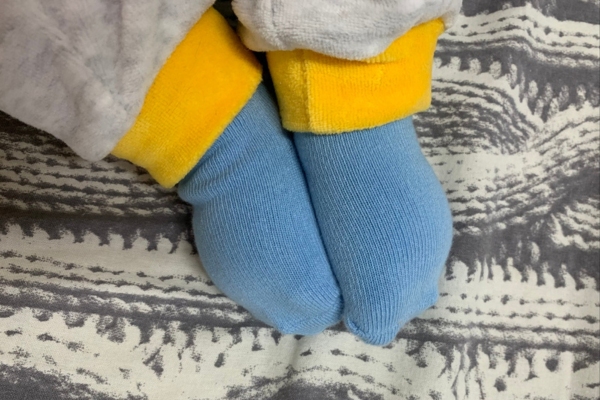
[
  {"x": 81, "y": 70},
  {"x": 322, "y": 94},
  {"x": 254, "y": 225},
  {"x": 385, "y": 222},
  {"x": 349, "y": 29},
  {"x": 197, "y": 93}
]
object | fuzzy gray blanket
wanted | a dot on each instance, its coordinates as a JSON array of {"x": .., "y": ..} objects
[{"x": 102, "y": 296}]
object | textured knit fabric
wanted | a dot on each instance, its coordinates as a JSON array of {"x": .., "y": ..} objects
[
  {"x": 254, "y": 225},
  {"x": 203, "y": 85},
  {"x": 322, "y": 94},
  {"x": 348, "y": 29},
  {"x": 385, "y": 222}
]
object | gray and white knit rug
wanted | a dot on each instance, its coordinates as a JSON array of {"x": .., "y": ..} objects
[{"x": 102, "y": 296}]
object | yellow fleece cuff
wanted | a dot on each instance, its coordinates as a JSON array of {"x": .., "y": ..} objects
[
  {"x": 322, "y": 94},
  {"x": 201, "y": 88}
]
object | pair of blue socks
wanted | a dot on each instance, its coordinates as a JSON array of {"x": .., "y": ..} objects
[{"x": 306, "y": 230}]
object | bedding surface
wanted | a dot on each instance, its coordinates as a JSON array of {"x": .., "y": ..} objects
[{"x": 103, "y": 297}]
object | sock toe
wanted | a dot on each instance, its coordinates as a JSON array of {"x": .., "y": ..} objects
[
  {"x": 378, "y": 321},
  {"x": 313, "y": 324},
  {"x": 385, "y": 222},
  {"x": 254, "y": 226},
  {"x": 373, "y": 335}
]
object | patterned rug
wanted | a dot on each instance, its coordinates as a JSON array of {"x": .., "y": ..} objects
[{"x": 102, "y": 295}]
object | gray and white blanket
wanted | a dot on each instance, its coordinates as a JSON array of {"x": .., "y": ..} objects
[{"x": 102, "y": 296}]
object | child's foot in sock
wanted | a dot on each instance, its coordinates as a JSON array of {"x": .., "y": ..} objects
[
  {"x": 385, "y": 222},
  {"x": 255, "y": 228}
]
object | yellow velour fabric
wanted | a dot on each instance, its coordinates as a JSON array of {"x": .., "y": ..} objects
[
  {"x": 201, "y": 88},
  {"x": 322, "y": 94}
]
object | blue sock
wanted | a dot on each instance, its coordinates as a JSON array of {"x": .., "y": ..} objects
[
  {"x": 254, "y": 225},
  {"x": 385, "y": 222}
]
